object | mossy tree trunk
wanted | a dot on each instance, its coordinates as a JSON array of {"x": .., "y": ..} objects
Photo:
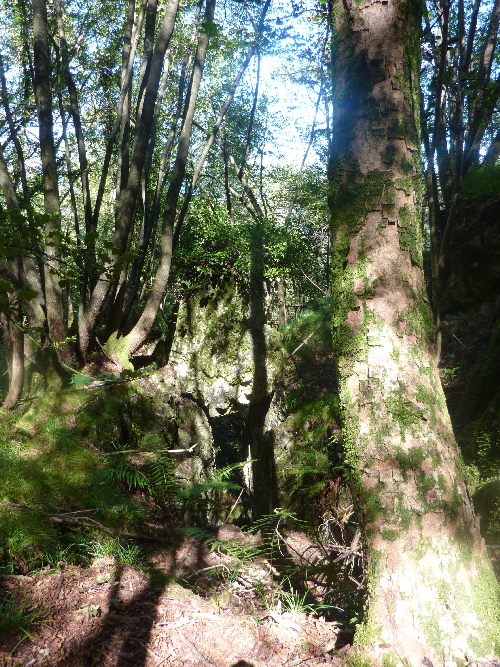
[
  {"x": 57, "y": 324},
  {"x": 431, "y": 589}
]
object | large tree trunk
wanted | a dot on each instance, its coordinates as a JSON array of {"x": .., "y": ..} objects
[{"x": 431, "y": 590}]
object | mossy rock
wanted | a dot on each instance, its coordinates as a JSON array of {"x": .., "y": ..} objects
[
  {"x": 307, "y": 451},
  {"x": 212, "y": 351},
  {"x": 487, "y": 505},
  {"x": 122, "y": 415},
  {"x": 57, "y": 458}
]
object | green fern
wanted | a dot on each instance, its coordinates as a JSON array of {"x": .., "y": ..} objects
[
  {"x": 269, "y": 523},
  {"x": 161, "y": 474},
  {"x": 195, "y": 533},
  {"x": 197, "y": 491},
  {"x": 129, "y": 476},
  {"x": 225, "y": 473},
  {"x": 240, "y": 553}
]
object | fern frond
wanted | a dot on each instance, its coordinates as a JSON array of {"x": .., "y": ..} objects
[
  {"x": 225, "y": 473},
  {"x": 161, "y": 473},
  {"x": 195, "y": 533},
  {"x": 197, "y": 491},
  {"x": 128, "y": 475}
]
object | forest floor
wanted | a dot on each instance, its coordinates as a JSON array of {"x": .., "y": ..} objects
[{"x": 184, "y": 606}]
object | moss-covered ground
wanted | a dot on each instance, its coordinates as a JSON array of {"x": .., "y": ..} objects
[{"x": 50, "y": 479}]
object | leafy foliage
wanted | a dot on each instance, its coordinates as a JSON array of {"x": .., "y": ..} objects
[
  {"x": 128, "y": 475},
  {"x": 211, "y": 248},
  {"x": 481, "y": 183}
]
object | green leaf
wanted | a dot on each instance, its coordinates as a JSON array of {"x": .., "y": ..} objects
[
  {"x": 211, "y": 28},
  {"x": 26, "y": 294},
  {"x": 6, "y": 286},
  {"x": 79, "y": 380}
]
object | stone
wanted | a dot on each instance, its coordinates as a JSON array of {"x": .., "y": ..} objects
[{"x": 212, "y": 352}]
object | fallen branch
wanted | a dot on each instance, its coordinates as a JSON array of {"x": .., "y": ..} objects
[
  {"x": 86, "y": 521},
  {"x": 307, "y": 339},
  {"x": 143, "y": 451},
  {"x": 63, "y": 519},
  {"x": 320, "y": 289}
]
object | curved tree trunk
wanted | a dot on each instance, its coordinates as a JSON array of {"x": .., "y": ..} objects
[
  {"x": 145, "y": 323},
  {"x": 431, "y": 589},
  {"x": 126, "y": 204}
]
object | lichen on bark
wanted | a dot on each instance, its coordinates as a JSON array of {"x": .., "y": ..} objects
[{"x": 399, "y": 446}]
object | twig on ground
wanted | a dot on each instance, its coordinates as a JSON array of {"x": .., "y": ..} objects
[
  {"x": 234, "y": 505},
  {"x": 307, "y": 339},
  {"x": 143, "y": 451}
]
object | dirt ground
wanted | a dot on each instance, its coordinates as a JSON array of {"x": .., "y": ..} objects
[{"x": 187, "y": 607}]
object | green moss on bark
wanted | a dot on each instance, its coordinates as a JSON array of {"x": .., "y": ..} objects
[
  {"x": 410, "y": 236},
  {"x": 420, "y": 322},
  {"x": 403, "y": 412}
]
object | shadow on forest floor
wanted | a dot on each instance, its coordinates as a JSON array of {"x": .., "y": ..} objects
[{"x": 176, "y": 610}]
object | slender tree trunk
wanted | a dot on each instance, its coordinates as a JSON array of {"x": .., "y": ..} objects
[
  {"x": 227, "y": 189},
  {"x": 281, "y": 293},
  {"x": 141, "y": 330},
  {"x": 431, "y": 594},
  {"x": 149, "y": 37},
  {"x": 128, "y": 198},
  {"x": 13, "y": 335},
  {"x": 43, "y": 95},
  {"x": 493, "y": 151},
  {"x": 76, "y": 118},
  {"x": 264, "y": 485},
  {"x": 151, "y": 205},
  {"x": 14, "y": 340},
  {"x": 27, "y": 273}
]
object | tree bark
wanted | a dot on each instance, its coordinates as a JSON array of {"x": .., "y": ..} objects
[
  {"x": 14, "y": 340},
  {"x": 431, "y": 592},
  {"x": 141, "y": 330},
  {"x": 43, "y": 95},
  {"x": 128, "y": 198},
  {"x": 76, "y": 118},
  {"x": 264, "y": 486},
  {"x": 27, "y": 273}
]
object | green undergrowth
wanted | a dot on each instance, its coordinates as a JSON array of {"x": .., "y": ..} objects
[
  {"x": 315, "y": 320},
  {"x": 307, "y": 466},
  {"x": 470, "y": 367},
  {"x": 309, "y": 371},
  {"x": 48, "y": 480},
  {"x": 481, "y": 183},
  {"x": 81, "y": 468},
  {"x": 19, "y": 617},
  {"x": 307, "y": 457}
]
